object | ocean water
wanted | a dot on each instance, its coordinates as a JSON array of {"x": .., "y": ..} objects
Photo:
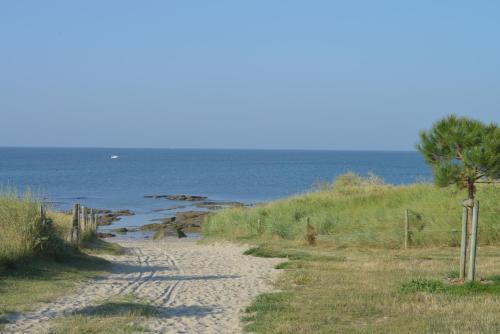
[{"x": 88, "y": 176}]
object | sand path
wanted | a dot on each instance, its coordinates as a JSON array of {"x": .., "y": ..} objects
[{"x": 197, "y": 288}]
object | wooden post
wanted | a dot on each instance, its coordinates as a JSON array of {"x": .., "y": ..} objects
[
  {"x": 83, "y": 221},
  {"x": 473, "y": 241},
  {"x": 463, "y": 244},
  {"x": 92, "y": 221},
  {"x": 86, "y": 220},
  {"x": 470, "y": 205},
  {"x": 42, "y": 215},
  {"x": 75, "y": 226},
  {"x": 80, "y": 217},
  {"x": 407, "y": 230},
  {"x": 310, "y": 233},
  {"x": 74, "y": 216}
]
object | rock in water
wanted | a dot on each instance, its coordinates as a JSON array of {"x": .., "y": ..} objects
[
  {"x": 103, "y": 235},
  {"x": 192, "y": 198},
  {"x": 181, "y": 233}
]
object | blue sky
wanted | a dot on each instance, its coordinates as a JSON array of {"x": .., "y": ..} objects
[{"x": 243, "y": 74}]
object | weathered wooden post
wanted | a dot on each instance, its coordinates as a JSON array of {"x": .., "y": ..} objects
[
  {"x": 87, "y": 219},
  {"x": 310, "y": 233},
  {"x": 74, "y": 237},
  {"x": 96, "y": 222},
  {"x": 92, "y": 221},
  {"x": 80, "y": 216},
  {"x": 83, "y": 222},
  {"x": 407, "y": 230},
  {"x": 87, "y": 223},
  {"x": 42, "y": 214},
  {"x": 463, "y": 243},
  {"x": 473, "y": 242}
]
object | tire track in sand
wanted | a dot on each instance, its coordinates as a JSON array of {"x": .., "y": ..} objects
[
  {"x": 130, "y": 274},
  {"x": 196, "y": 288}
]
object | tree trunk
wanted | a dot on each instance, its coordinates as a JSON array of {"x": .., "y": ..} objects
[
  {"x": 470, "y": 197},
  {"x": 470, "y": 190}
]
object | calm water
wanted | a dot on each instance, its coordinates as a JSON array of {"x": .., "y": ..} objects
[{"x": 89, "y": 176}]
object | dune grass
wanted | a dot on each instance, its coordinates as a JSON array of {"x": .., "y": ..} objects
[
  {"x": 23, "y": 234},
  {"x": 364, "y": 212}
]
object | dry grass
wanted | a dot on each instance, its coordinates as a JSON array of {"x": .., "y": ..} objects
[
  {"x": 23, "y": 236},
  {"x": 360, "y": 291}
]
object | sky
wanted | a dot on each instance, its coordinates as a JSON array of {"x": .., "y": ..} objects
[{"x": 340, "y": 75}]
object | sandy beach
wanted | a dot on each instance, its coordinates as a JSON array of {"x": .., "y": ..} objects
[{"x": 197, "y": 288}]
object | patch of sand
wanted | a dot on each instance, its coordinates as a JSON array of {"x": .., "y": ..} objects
[{"x": 197, "y": 288}]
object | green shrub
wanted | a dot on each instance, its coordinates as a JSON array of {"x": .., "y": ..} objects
[{"x": 422, "y": 285}]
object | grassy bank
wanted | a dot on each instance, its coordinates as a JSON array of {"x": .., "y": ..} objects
[
  {"x": 363, "y": 212},
  {"x": 357, "y": 279},
  {"x": 43, "y": 280},
  {"x": 36, "y": 264}
]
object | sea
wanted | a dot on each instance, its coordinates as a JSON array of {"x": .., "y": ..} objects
[{"x": 91, "y": 177}]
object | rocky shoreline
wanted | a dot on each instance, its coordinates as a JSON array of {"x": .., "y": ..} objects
[
  {"x": 108, "y": 217},
  {"x": 182, "y": 221}
]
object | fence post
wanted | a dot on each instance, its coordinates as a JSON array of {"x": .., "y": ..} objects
[
  {"x": 83, "y": 222},
  {"x": 80, "y": 216},
  {"x": 42, "y": 215},
  {"x": 87, "y": 219},
  {"x": 407, "y": 230},
  {"x": 463, "y": 243},
  {"x": 92, "y": 221},
  {"x": 310, "y": 232},
  {"x": 473, "y": 242},
  {"x": 75, "y": 226}
]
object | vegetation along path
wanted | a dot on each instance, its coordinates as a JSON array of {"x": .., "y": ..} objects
[{"x": 183, "y": 286}]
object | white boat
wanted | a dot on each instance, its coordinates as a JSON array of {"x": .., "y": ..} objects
[{"x": 115, "y": 156}]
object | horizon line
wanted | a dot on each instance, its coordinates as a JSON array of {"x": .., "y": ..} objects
[{"x": 209, "y": 148}]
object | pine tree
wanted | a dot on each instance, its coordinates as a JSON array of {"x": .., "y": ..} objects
[{"x": 462, "y": 151}]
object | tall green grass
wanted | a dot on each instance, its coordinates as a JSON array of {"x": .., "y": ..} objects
[
  {"x": 363, "y": 211},
  {"x": 22, "y": 234}
]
